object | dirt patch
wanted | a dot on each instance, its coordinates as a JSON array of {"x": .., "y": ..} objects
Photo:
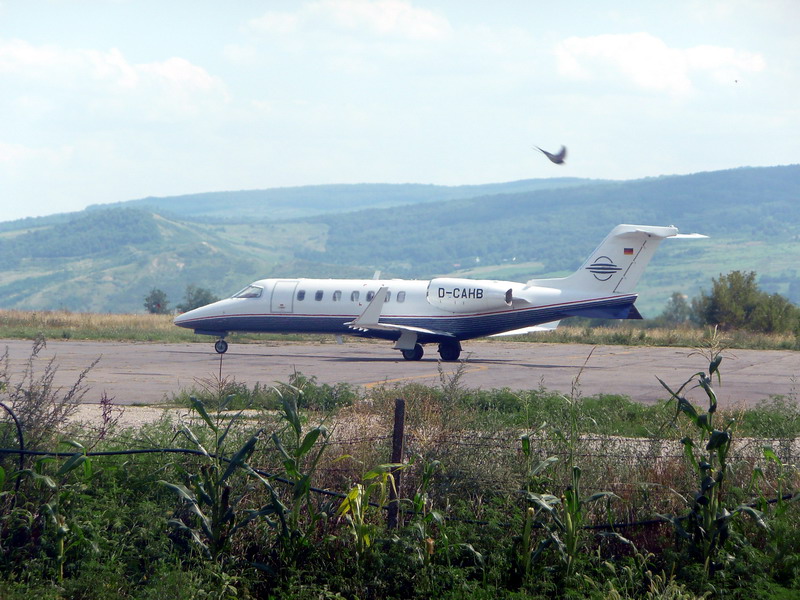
[{"x": 129, "y": 416}]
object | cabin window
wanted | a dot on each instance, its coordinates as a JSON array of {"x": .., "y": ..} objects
[
  {"x": 251, "y": 291},
  {"x": 401, "y": 296},
  {"x": 388, "y": 295},
  {"x": 370, "y": 296},
  {"x": 301, "y": 294},
  {"x": 337, "y": 295},
  {"x": 354, "y": 297},
  {"x": 318, "y": 295}
]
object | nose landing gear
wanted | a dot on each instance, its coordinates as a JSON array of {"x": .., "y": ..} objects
[{"x": 221, "y": 346}]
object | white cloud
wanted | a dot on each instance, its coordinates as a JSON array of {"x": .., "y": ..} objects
[
  {"x": 13, "y": 152},
  {"x": 106, "y": 81},
  {"x": 723, "y": 64},
  {"x": 382, "y": 18},
  {"x": 386, "y": 17},
  {"x": 240, "y": 54},
  {"x": 275, "y": 23},
  {"x": 17, "y": 155},
  {"x": 648, "y": 63},
  {"x": 16, "y": 55}
]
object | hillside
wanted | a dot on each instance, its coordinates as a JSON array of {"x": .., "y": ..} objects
[
  {"x": 106, "y": 259},
  {"x": 305, "y": 201}
]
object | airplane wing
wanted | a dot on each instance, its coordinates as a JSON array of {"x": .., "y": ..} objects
[{"x": 370, "y": 319}]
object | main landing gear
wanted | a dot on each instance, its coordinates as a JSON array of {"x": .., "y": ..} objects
[
  {"x": 414, "y": 353},
  {"x": 221, "y": 346},
  {"x": 449, "y": 351}
]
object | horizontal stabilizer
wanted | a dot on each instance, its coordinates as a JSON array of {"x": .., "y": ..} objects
[
  {"x": 619, "y": 311},
  {"x": 634, "y": 313},
  {"x": 543, "y": 327}
]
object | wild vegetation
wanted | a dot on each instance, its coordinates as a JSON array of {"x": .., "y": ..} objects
[
  {"x": 502, "y": 495},
  {"x": 20, "y": 324}
]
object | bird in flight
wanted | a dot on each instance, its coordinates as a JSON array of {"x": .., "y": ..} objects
[{"x": 556, "y": 158}]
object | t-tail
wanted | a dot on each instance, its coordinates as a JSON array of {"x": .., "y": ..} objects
[{"x": 617, "y": 264}]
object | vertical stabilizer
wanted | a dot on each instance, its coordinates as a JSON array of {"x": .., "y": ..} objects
[{"x": 617, "y": 264}]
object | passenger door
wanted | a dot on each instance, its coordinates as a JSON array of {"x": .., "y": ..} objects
[{"x": 283, "y": 296}]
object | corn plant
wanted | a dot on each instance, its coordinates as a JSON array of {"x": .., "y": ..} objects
[
  {"x": 355, "y": 507},
  {"x": 301, "y": 454},
  {"x": 562, "y": 520},
  {"x": 782, "y": 482},
  {"x": 707, "y": 526},
  {"x": 64, "y": 534},
  {"x": 429, "y": 527},
  {"x": 630, "y": 577},
  {"x": 209, "y": 495},
  {"x": 534, "y": 469},
  {"x": 423, "y": 517}
]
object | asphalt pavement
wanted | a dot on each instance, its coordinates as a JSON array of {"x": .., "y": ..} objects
[{"x": 149, "y": 373}]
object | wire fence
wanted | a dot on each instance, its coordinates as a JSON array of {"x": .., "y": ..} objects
[{"x": 648, "y": 475}]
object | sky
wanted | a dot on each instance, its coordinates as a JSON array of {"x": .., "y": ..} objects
[{"x": 110, "y": 100}]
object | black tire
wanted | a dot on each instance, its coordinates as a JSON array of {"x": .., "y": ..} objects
[
  {"x": 221, "y": 346},
  {"x": 450, "y": 351},
  {"x": 414, "y": 354}
]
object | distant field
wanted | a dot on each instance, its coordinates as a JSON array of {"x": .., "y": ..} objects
[{"x": 18, "y": 324}]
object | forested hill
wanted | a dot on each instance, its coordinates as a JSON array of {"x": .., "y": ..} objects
[
  {"x": 304, "y": 201},
  {"x": 755, "y": 204},
  {"x": 107, "y": 259}
]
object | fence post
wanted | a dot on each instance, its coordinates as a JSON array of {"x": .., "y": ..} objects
[{"x": 398, "y": 435}]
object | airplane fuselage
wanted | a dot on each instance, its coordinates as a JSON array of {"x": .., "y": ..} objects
[
  {"x": 442, "y": 310},
  {"x": 466, "y": 309}
]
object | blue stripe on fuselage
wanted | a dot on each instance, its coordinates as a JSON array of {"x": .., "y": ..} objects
[{"x": 463, "y": 327}]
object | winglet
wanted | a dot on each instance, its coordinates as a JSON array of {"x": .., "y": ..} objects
[{"x": 372, "y": 313}]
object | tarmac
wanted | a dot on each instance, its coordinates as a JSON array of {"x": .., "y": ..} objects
[{"x": 152, "y": 373}]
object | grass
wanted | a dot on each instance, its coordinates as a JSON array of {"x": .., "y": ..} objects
[
  {"x": 684, "y": 337},
  {"x": 19, "y": 324}
]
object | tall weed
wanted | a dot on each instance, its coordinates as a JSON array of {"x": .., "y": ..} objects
[{"x": 40, "y": 406}]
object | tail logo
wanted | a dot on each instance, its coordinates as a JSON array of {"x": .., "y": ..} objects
[{"x": 603, "y": 268}]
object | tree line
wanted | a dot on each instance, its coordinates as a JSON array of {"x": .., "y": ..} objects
[
  {"x": 157, "y": 303},
  {"x": 735, "y": 302}
]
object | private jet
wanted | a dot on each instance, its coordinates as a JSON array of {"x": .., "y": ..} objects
[{"x": 443, "y": 310}]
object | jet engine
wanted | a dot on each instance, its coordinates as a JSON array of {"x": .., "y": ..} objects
[{"x": 468, "y": 295}]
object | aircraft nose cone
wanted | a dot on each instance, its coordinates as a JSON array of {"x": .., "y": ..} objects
[
  {"x": 206, "y": 313},
  {"x": 181, "y": 319}
]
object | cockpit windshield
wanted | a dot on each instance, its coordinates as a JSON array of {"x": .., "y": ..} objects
[{"x": 251, "y": 291}]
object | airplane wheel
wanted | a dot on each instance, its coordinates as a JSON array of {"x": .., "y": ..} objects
[
  {"x": 413, "y": 354},
  {"x": 450, "y": 351},
  {"x": 221, "y": 346}
]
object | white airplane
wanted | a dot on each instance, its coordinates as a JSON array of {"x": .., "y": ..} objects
[{"x": 443, "y": 310}]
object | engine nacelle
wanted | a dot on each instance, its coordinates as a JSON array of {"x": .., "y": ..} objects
[{"x": 468, "y": 295}]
